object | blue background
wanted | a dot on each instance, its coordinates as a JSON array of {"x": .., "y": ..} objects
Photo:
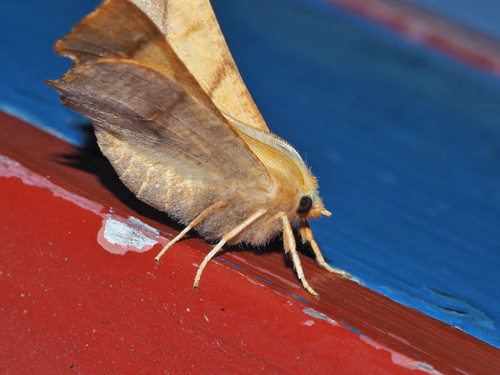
[
  {"x": 479, "y": 15},
  {"x": 405, "y": 142}
]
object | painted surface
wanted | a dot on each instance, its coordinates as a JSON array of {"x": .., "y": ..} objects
[
  {"x": 66, "y": 296},
  {"x": 481, "y": 15},
  {"x": 404, "y": 141}
]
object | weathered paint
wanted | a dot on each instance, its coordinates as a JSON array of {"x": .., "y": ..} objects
[
  {"x": 318, "y": 315},
  {"x": 119, "y": 236},
  {"x": 402, "y": 359},
  {"x": 370, "y": 95},
  {"x": 350, "y": 111},
  {"x": 91, "y": 298},
  {"x": 11, "y": 168}
]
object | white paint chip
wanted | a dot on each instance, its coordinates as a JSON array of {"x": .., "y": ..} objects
[
  {"x": 118, "y": 237},
  {"x": 139, "y": 224}
]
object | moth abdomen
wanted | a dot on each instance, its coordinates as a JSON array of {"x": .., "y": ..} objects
[{"x": 158, "y": 185}]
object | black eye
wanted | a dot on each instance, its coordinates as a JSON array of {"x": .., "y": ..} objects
[{"x": 305, "y": 204}]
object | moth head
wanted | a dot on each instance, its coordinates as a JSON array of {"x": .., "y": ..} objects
[{"x": 310, "y": 206}]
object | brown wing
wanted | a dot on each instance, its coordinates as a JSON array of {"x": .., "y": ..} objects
[
  {"x": 192, "y": 30},
  {"x": 128, "y": 80}
]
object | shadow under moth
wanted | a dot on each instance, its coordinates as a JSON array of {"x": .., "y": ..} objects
[{"x": 174, "y": 118}]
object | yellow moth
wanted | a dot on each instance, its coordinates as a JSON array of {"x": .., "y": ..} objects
[{"x": 173, "y": 116}]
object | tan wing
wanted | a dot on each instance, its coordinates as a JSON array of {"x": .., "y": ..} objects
[
  {"x": 192, "y": 30},
  {"x": 128, "y": 80}
]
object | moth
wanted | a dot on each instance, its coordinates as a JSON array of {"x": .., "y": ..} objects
[{"x": 173, "y": 116}]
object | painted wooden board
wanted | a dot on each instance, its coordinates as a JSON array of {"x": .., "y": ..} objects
[
  {"x": 465, "y": 31},
  {"x": 80, "y": 290},
  {"x": 404, "y": 140}
]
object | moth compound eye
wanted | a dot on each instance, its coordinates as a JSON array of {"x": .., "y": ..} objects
[{"x": 305, "y": 204}]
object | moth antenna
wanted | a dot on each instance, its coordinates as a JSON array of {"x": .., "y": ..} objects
[
  {"x": 191, "y": 225},
  {"x": 307, "y": 236},
  {"x": 291, "y": 250},
  {"x": 227, "y": 237}
]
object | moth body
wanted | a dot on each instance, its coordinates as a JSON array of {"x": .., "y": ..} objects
[
  {"x": 169, "y": 188},
  {"x": 174, "y": 118}
]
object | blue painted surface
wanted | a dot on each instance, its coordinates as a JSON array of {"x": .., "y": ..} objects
[
  {"x": 405, "y": 142},
  {"x": 479, "y": 15}
]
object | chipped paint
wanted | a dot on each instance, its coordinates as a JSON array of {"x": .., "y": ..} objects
[
  {"x": 116, "y": 235},
  {"x": 318, "y": 315},
  {"x": 119, "y": 236},
  {"x": 402, "y": 359},
  {"x": 141, "y": 225}
]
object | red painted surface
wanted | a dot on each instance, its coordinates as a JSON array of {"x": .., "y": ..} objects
[{"x": 70, "y": 305}]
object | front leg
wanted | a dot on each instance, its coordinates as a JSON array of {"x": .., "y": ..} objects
[
  {"x": 291, "y": 250},
  {"x": 307, "y": 236}
]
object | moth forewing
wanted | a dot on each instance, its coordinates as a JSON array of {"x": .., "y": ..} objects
[
  {"x": 172, "y": 133},
  {"x": 191, "y": 29}
]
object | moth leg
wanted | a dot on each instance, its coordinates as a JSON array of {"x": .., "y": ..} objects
[
  {"x": 307, "y": 236},
  {"x": 191, "y": 225},
  {"x": 227, "y": 237},
  {"x": 291, "y": 250}
]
